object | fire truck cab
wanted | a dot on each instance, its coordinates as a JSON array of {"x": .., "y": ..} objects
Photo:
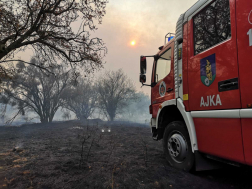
[{"x": 201, "y": 85}]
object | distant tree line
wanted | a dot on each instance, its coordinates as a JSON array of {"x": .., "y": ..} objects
[{"x": 28, "y": 89}]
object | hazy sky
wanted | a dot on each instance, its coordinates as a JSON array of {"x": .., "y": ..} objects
[{"x": 145, "y": 21}]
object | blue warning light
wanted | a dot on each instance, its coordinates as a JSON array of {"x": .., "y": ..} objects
[{"x": 170, "y": 38}]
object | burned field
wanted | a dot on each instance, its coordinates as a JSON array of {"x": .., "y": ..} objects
[{"x": 74, "y": 155}]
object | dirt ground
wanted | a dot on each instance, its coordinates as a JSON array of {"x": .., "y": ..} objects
[{"x": 74, "y": 155}]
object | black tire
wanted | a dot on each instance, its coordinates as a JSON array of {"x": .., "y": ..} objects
[{"x": 177, "y": 146}]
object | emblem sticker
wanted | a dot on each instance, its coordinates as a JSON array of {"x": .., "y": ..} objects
[
  {"x": 162, "y": 88},
  {"x": 208, "y": 70}
]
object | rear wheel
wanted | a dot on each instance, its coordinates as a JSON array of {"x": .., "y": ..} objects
[{"x": 177, "y": 146}]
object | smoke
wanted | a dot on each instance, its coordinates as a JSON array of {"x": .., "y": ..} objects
[{"x": 137, "y": 111}]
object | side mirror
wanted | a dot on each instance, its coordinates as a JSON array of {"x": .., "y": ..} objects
[
  {"x": 142, "y": 78},
  {"x": 142, "y": 65}
]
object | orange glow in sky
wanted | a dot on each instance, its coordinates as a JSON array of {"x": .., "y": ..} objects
[{"x": 132, "y": 43}]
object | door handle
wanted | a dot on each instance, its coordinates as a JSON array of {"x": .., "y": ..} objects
[
  {"x": 169, "y": 90},
  {"x": 228, "y": 85}
]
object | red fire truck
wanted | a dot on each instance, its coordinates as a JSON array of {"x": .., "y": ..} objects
[{"x": 201, "y": 86}]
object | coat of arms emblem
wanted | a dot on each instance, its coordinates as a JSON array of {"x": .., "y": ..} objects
[
  {"x": 208, "y": 70},
  {"x": 162, "y": 89}
]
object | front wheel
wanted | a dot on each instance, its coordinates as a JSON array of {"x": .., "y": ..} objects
[{"x": 177, "y": 146}]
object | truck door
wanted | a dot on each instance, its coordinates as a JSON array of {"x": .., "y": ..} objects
[
  {"x": 244, "y": 42},
  {"x": 163, "y": 78},
  {"x": 213, "y": 80}
]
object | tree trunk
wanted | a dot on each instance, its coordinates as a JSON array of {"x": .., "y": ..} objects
[
  {"x": 46, "y": 119},
  {"x": 111, "y": 117},
  {"x": 50, "y": 119},
  {"x": 43, "y": 120}
]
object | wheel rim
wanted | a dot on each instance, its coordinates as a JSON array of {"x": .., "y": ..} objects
[{"x": 177, "y": 147}]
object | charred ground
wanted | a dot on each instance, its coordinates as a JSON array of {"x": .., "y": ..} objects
[{"x": 74, "y": 155}]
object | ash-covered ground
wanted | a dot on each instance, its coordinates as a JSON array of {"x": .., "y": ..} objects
[{"x": 74, "y": 155}]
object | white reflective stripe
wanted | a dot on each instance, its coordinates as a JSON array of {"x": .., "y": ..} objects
[
  {"x": 246, "y": 113},
  {"x": 169, "y": 102},
  {"x": 216, "y": 114},
  {"x": 189, "y": 124},
  {"x": 237, "y": 113}
]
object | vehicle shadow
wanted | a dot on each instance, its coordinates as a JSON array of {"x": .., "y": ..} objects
[{"x": 231, "y": 176}]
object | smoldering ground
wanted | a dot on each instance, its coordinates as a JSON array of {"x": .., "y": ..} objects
[{"x": 74, "y": 155}]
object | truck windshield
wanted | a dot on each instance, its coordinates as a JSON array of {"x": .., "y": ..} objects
[{"x": 163, "y": 66}]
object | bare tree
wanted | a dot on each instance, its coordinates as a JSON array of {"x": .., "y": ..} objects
[
  {"x": 33, "y": 90},
  {"x": 114, "y": 90},
  {"x": 46, "y": 26},
  {"x": 81, "y": 99}
]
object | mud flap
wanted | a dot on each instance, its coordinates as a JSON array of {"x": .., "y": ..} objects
[
  {"x": 202, "y": 163},
  {"x": 157, "y": 134}
]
